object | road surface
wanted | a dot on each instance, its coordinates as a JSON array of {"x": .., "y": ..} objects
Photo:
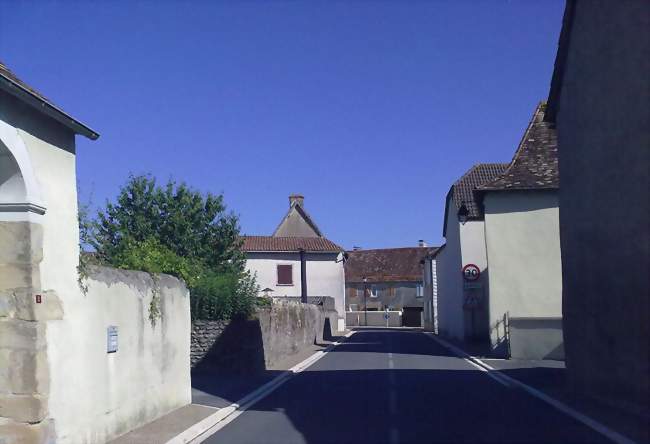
[{"x": 398, "y": 386}]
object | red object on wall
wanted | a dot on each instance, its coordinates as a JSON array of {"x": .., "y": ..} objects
[
  {"x": 471, "y": 272},
  {"x": 38, "y": 299}
]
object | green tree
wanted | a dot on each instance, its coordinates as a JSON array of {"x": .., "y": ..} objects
[{"x": 177, "y": 230}]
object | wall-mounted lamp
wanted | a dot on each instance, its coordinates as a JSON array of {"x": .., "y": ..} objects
[{"x": 463, "y": 212}]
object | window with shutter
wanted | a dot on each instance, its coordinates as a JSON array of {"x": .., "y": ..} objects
[{"x": 285, "y": 274}]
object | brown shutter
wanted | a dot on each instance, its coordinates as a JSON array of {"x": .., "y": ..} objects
[{"x": 285, "y": 275}]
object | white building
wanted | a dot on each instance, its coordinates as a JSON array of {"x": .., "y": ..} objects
[
  {"x": 61, "y": 380},
  {"x": 502, "y": 221},
  {"x": 298, "y": 261},
  {"x": 523, "y": 248},
  {"x": 465, "y": 244}
]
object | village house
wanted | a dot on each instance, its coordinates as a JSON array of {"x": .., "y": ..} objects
[
  {"x": 599, "y": 100},
  {"x": 298, "y": 261},
  {"x": 464, "y": 234},
  {"x": 66, "y": 374},
  {"x": 386, "y": 279},
  {"x": 522, "y": 237}
]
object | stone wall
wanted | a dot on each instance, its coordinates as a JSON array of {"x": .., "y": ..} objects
[
  {"x": 24, "y": 372},
  {"x": 204, "y": 335},
  {"x": 263, "y": 341}
]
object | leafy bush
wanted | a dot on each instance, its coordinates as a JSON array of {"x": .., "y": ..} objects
[
  {"x": 178, "y": 231},
  {"x": 223, "y": 296}
]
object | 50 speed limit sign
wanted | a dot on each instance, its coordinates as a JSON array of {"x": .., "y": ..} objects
[{"x": 471, "y": 272}]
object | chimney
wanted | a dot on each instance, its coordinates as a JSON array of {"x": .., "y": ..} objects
[
  {"x": 422, "y": 243},
  {"x": 297, "y": 199}
]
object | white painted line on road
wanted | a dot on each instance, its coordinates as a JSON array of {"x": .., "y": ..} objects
[
  {"x": 467, "y": 358},
  {"x": 202, "y": 430},
  {"x": 589, "y": 422},
  {"x": 573, "y": 413},
  {"x": 391, "y": 363},
  {"x": 394, "y": 435}
]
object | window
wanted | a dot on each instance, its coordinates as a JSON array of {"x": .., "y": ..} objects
[
  {"x": 374, "y": 291},
  {"x": 391, "y": 291},
  {"x": 359, "y": 292},
  {"x": 285, "y": 274},
  {"x": 419, "y": 290}
]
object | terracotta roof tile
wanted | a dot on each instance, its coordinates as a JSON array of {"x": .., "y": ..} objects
[
  {"x": 289, "y": 244},
  {"x": 386, "y": 264}
]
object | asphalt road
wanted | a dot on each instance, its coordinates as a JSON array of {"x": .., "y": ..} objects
[{"x": 398, "y": 386}]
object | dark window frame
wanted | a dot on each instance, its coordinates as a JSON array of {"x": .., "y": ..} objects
[{"x": 286, "y": 283}]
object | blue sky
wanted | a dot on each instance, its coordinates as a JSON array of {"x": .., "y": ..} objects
[{"x": 371, "y": 109}]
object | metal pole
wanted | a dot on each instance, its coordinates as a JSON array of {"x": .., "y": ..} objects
[
  {"x": 365, "y": 301},
  {"x": 303, "y": 277}
]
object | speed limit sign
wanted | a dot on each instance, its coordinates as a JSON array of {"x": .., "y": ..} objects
[{"x": 471, "y": 272}]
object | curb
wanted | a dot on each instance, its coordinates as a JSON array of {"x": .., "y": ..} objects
[
  {"x": 569, "y": 411},
  {"x": 208, "y": 426}
]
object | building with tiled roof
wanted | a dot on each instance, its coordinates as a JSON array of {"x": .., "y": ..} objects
[
  {"x": 535, "y": 163},
  {"x": 386, "y": 264},
  {"x": 298, "y": 261},
  {"x": 504, "y": 215},
  {"x": 463, "y": 229},
  {"x": 461, "y": 198},
  {"x": 522, "y": 238},
  {"x": 257, "y": 244},
  {"x": 387, "y": 278}
]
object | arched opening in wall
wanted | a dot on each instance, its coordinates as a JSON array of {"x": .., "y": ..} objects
[{"x": 13, "y": 192}]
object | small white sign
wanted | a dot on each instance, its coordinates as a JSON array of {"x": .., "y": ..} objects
[{"x": 111, "y": 339}]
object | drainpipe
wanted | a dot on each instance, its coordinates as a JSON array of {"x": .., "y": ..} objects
[{"x": 303, "y": 277}]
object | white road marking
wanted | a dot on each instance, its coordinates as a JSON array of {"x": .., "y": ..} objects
[
  {"x": 569, "y": 411},
  {"x": 394, "y": 435},
  {"x": 391, "y": 363},
  {"x": 461, "y": 354},
  {"x": 228, "y": 414}
]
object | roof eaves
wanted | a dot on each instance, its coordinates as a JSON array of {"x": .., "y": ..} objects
[
  {"x": 45, "y": 106},
  {"x": 444, "y": 223},
  {"x": 560, "y": 62}
]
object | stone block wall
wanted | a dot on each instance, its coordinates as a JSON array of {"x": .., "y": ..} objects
[
  {"x": 262, "y": 342},
  {"x": 24, "y": 370},
  {"x": 204, "y": 335}
]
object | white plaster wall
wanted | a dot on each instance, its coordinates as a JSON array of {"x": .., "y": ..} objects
[
  {"x": 94, "y": 396},
  {"x": 325, "y": 275},
  {"x": 465, "y": 244},
  {"x": 523, "y": 245},
  {"x": 448, "y": 266},
  {"x": 97, "y": 395},
  {"x": 264, "y": 266}
]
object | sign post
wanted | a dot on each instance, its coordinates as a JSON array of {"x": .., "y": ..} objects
[
  {"x": 387, "y": 317},
  {"x": 471, "y": 273}
]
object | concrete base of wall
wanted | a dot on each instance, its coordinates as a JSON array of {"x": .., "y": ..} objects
[{"x": 536, "y": 338}]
